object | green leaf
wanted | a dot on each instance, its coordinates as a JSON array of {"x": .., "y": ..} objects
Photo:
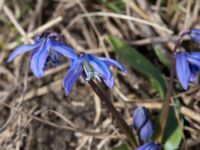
[
  {"x": 121, "y": 147},
  {"x": 114, "y": 5},
  {"x": 139, "y": 63},
  {"x": 161, "y": 54},
  {"x": 173, "y": 132}
]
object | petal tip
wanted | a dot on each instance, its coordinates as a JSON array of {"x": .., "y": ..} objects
[
  {"x": 185, "y": 87},
  {"x": 38, "y": 75},
  {"x": 9, "y": 60},
  {"x": 66, "y": 93},
  {"x": 125, "y": 71}
]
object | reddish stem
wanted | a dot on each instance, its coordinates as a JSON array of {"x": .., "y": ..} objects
[
  {"x": 121, "y": 122},
  {"x": 166, "y": 102}
]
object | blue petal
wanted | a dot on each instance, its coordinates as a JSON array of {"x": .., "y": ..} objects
[
  {"x": 47, "y": 61},
  {"x": 145, "y": 146},
  {"x": 146, "y": 131},
  {"x": 182, "y": 69},
  {"x": 22, "y": 49},
  {"x": 71, "y": 77},
  {"x": 194, "y": 58},
  {"x": 114, "y": 63},
  {"x": 39, "y": 58},
  {"x": 37, "y": 39},
  {"x": 149, "y": 146},
  {"x": 62, "y": 48},
  {"x": 194, "y": 55},
  {"x": 194, "y": 70},
  {"x": 194, "y": 61},
  {"x": 195, "y": 35},
  {"x": 193, "y": 77},
  {"x": 55, "y": 57},
  {"x": 99, "y": 66},
  {"x": 139, "y": 117},
  {"x": 109, "y": 82}
]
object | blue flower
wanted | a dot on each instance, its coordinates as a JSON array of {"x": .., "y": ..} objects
[
  {"x": 195, "y": 35},
  {"x": 142, "y": 123},
  {"x": 139, "y": 117},
  {"x": 46, "y": 47},
  {"x": 187, "y": 67},
  {"x": 146, "y": 131},
  {"x": 149, "y": 146},
  {"x": 90, "y": 67}
]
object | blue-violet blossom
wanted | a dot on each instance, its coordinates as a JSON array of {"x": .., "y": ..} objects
[
  {"x": 45, "y": 47},
  {"x": 195, "y": 35},
  {"x": 187, "y": 67},
  {"x": 149, "y": 146},
  {"x": 142, "y": 123},
  {"x": 139, "y": 117},
  {"x": 90, "y": 67}
]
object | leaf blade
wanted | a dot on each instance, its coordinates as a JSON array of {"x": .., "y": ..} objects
[{"x": 140, "y": 63}]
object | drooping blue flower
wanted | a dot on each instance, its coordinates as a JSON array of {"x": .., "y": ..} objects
[
  {"x": 195, "y": 35},
  {"x": 142, "y": 123},
  {"x": 149, "y": 146},
  {"x": 90, "y": 67},
  {"x": 139, "y": 117},
  {"x": 46, "y": 47},
  {"x": 187, "y": 67},
  {"x": 146, "y": 131}
]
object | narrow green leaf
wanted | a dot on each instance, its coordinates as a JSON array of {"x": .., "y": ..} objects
[
  {"x": 114, "y": 5},
  {"x": 139, "y": 63},
  {"x": 173, "y": 133}
]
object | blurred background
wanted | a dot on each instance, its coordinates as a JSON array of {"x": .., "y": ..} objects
[{"x": 35, "y": 114}]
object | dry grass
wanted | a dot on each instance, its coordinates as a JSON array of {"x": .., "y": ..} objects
[{"x": 36, "y": 114}]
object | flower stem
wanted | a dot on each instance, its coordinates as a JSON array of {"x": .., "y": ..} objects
[
  {"x": 166, "y": 102},
  {"x": 121, "y": 122}
]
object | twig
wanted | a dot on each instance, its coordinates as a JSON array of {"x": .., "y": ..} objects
[
  {"x": 121, "y": 16},
  {"x": 36, "y": 31},
  {"x": 1, "y": 4},
  {"x": 14, "y": 21},
  {"x": 155, "y": 40},
  {"x": 51, "y": 123}
]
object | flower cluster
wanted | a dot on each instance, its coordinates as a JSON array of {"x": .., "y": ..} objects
[
  {"x": 144, "y": 127},
  {"x": 188, "y": 64},
  {"x": 44, "y": 49},
  {"x": 49, "y": 47},
  {"x": 90, "y": 67}
]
